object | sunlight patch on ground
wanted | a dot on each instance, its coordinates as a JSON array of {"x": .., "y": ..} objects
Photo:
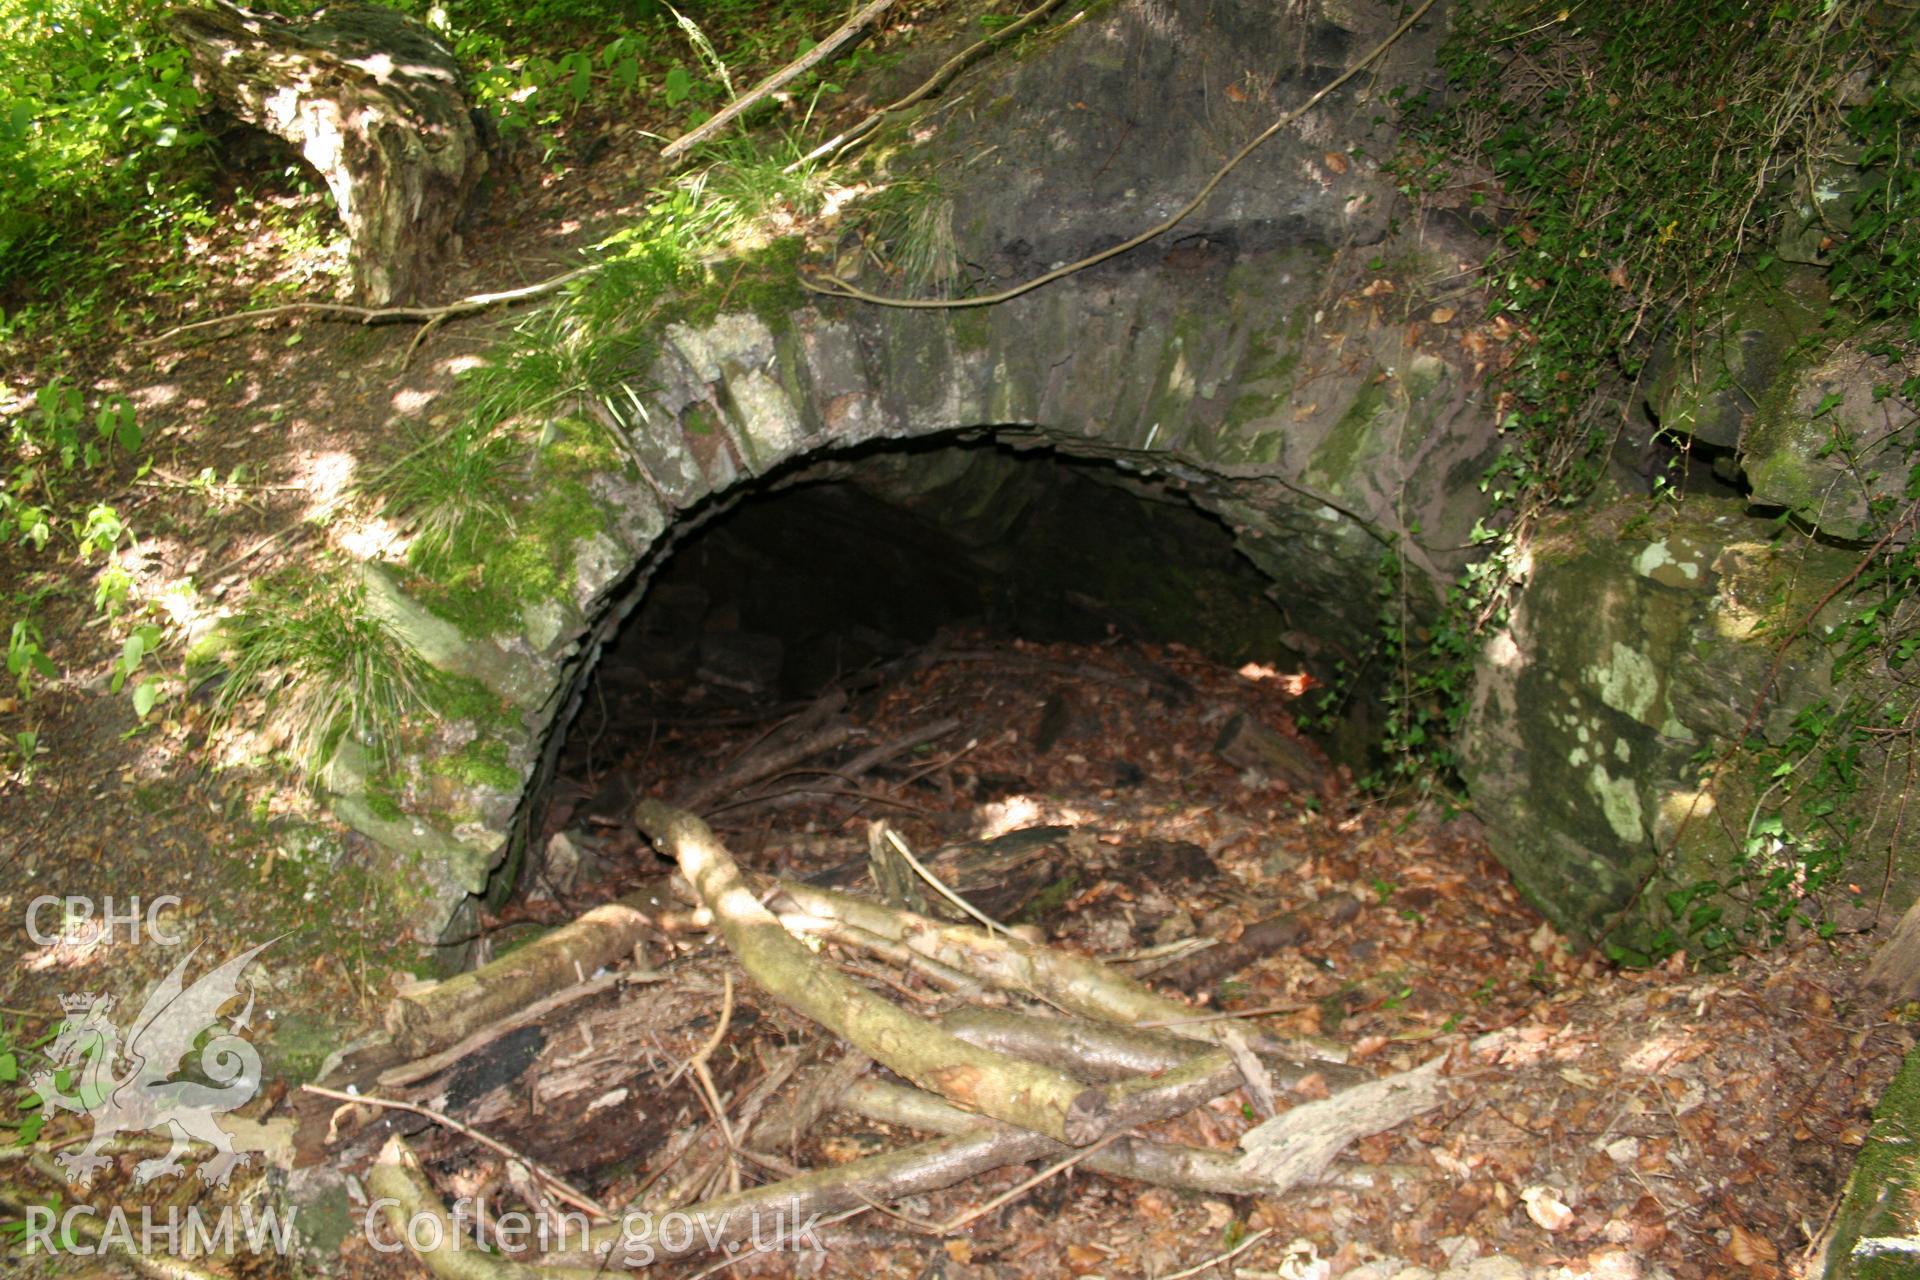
[
  {"x": 86, "y": 938},
  {"x": 1657, "y": 1053},
  {"x": 327, "y": 478},
  {"x": 458, "y": 365},
  {"x": 410, "y": 401},
  {"x": 374, "y": 539},
  {"x": 158, "y": 396},
  {"x": 1017, "y": 812}
]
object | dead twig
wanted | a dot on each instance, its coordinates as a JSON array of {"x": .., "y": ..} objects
[
  {"x": 1219, "y": 1258},
  {"x": 832, "y": 286},
  {"x": 561, "y": 1187},
  {"x": 847, "y": 30},
  {"x": 932, "y": 84},
  {"x": 384, "y": 315}
]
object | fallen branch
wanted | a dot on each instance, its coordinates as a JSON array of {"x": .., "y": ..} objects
[
  {"x": 433, "y": 1017},
  {"x": 398, "y": 1187},
  {"x": 788, "y": 1122},
  {"x": 1102, "y": 1051},
  {"x": 793, "y": 70},
  {"x": 433, "y": 1064},
  {"x": 1036, "y": 1098},
  {"x": 1164, "y": 1164},
  {"x": 832, "y": 286},
  {"x": 1077, "y": 984},
  {"x": 561, "y": 1187},
  {"x": 1298, "y": 1145},
  {"x": 894, "y": 952},
  {"x": 385, "y": 315},
  {"x": 948, "y": 70},
  {"x": 814, "y": 730},
  {"x": 842, "y": 782},
  {"x": 917, "y": 1170}
]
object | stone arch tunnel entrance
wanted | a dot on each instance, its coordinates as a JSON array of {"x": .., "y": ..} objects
[{"x": 842, "y": 580}]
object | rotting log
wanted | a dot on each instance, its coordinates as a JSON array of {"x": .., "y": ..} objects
[
  {"x": 375, "y": 102},
  {"x": 1040, "y": 1099},
  {"x": 1248, "y": 743},
  {"x": 1206, "y": 1170},
  {"x": 1074, "y": 983},
  {"x": 436, "y": 1016}
]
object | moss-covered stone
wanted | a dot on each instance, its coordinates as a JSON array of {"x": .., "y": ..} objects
[
  {"x": 1876, "y": 1233},
  {"x": 483, "y": 762},
  {"x": 1708, "y": 388},
  {"x": 1636, "y": 644},
  {"x": 1827, "y": 445}
]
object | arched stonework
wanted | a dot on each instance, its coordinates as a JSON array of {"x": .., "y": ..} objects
[{"x": 1260, "y": 357}]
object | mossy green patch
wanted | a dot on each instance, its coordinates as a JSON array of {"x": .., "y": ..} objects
[
  {"x": 1877, "y": 1230},
  {"x": 580, "y": 448},
  {"x": 480, "y": 583},
  {"x": 383, "y": 804},
  {"x": 1346, "y": 444},
  {"x": 464, "y": 698},
  {"x": 1049, "y": 900},
  {"x": 765, "y": 281},
  {"x": 972, "y": 328},
  {"x": 481, "y": 763}
]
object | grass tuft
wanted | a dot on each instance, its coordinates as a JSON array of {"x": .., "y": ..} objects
[
  {"x": 325, "y": 667},
  {"x": 452, "y": 488}
]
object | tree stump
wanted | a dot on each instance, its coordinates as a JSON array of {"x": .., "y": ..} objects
[{"x": 373, "y": 101}]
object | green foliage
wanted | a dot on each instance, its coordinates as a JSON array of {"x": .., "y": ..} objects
[
  {"x": 1876, "y": 261},
  {"x": 26, "y": 660},
  {"x": 585, "y": 351},
  {"x": 453, "y": 488},
  {"x": 94, "y": 96},
  {"x": 141, "y": 644},
  {"x": 51, "y": 442},
  {"x": 16, "y": 1050},
  {"x": 1637, "y": 155},
  {"x": 1637, "y": 151},
  {"x": 325, "y": 665},
  {"x": 908, "y": 230}
]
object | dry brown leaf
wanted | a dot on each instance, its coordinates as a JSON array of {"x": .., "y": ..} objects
[
  {"x": 1366, "y": 1047},
  {"x": 1084, "y": 1257},
  {"x": 1748, "y": 1249},
  {"x": 1546, "y": 1209},
  {"x": 1440, "y": 315},
  {"x": 1377, "y": 287}
]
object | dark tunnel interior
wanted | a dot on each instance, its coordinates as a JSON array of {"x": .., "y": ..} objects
[
  {"x": 857, "y": 564},
  {"x": 858, "y": 561}
]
